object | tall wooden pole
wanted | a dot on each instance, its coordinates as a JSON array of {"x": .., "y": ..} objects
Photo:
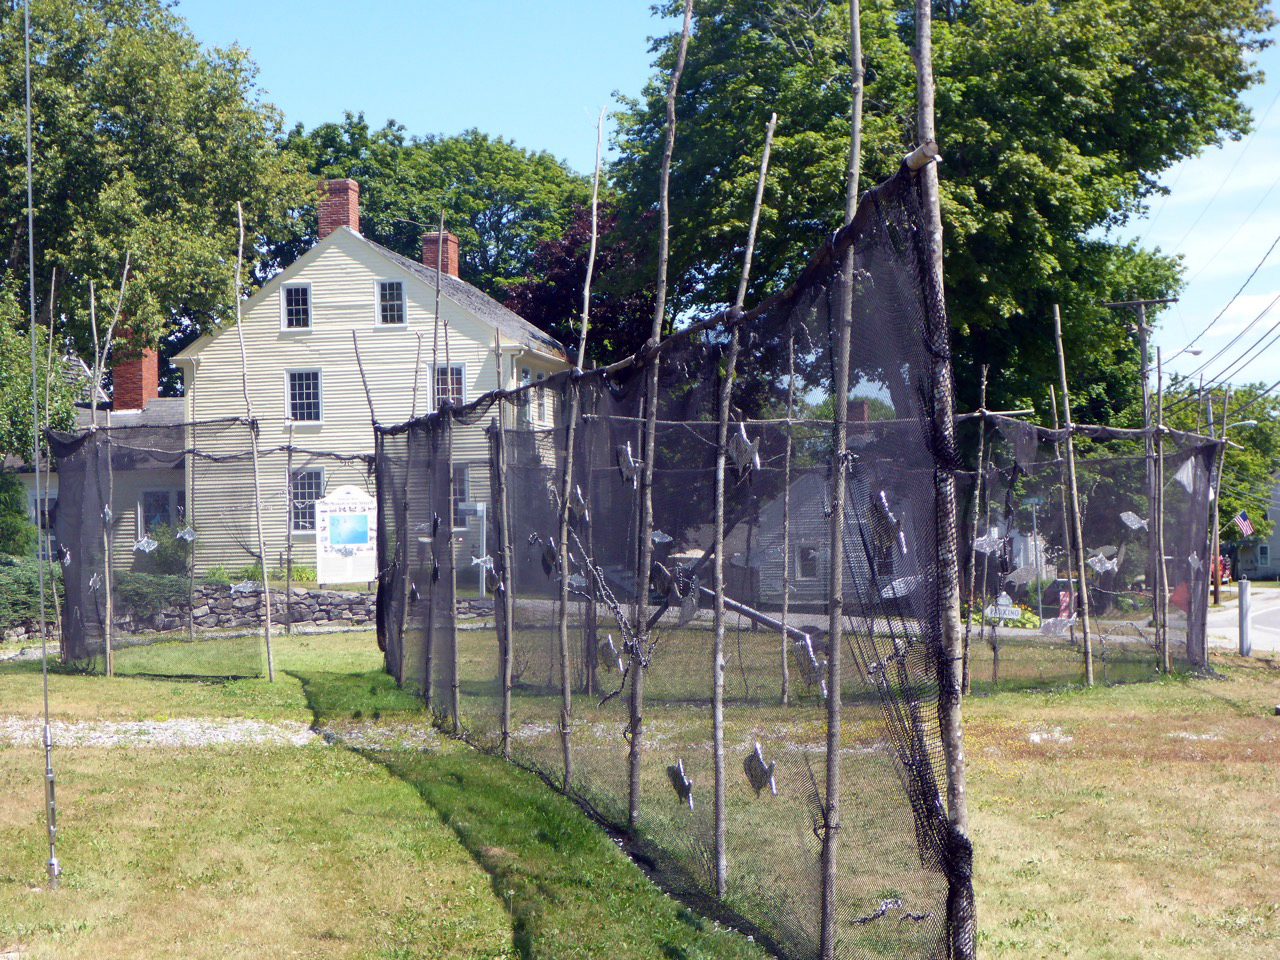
[
  {"x": 786, "y": 516},
  {"x": 639, "y": 654},
  {"x": 253, "y": 446},
  {"x": 1162, "y": 569},
  {"x": 1077, "y": 525},
  {"x": 1217, "y": 508},
  {"x": 507, "y": 639},
  {"x": 839, "y": 446},
  {"x": 949, "y": 712},
  {"x": 978, "y": 480}
]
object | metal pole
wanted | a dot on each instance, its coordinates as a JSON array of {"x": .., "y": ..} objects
[
  {"x": 1246, "y": 643},
  {"x": 1162, "y": 570}
]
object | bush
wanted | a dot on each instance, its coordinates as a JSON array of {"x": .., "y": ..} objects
[
  {"x": 146, "y": 594},
  {"x": 170, "y": 556},
  {"x": 20, "y": 589},
  {"x": 216, "y": 577}
]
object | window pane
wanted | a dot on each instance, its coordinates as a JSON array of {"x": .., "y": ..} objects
[
  {"x": 306, "y": 487},
  {"x": 297, "y": 307},
  {"x": 391, "y": 301},
  {"x": 304, "y": 395},
  {"x": 461, "y": 494},
  {"x": 155, "y": 509},
  {"x": 449, "y": 385}
]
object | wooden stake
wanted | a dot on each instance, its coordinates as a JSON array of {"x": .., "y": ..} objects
[
  {"x": 639, "y": 654},
  {"x": 786, "y": 516},
  {"x": 506, "y": 637},
  {"x": 1162, "y": 570},
  {"x": 978, "y": 481},
  {"x": 1077, "y": 524},
  {"x": 253, "y": 440},
  {"x": 839, "y": 446}
]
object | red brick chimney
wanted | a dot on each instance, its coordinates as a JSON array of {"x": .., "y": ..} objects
[
  {"x": 339, "y": 206},
  {"x": 859, "y": 411},
  {"x": 135, "y": 381},
  {"x": 431, "y": 252}
]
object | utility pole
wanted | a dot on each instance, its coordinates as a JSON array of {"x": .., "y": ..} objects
[{"x": 1140, "y": 326}]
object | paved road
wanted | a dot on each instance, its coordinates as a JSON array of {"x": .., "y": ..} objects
[{"x": 1224, "y": 624}]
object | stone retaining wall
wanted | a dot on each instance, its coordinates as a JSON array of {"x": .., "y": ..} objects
[{"x": 219, "y": 608}]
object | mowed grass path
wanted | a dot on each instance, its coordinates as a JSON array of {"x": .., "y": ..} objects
[{"x": 265, "y": 852}]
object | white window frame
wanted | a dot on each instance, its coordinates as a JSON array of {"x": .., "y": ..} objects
[
  {"x": 46, "y": 543},
  {"x": 463, "y": 470},
  {"x": 542, "y": 400},
  {"x": 1264, "y": 555},
  {"x": 288, "y": 396},
  {"x": 817, "y": 561},
  {"x": 524, "y": 406},
  {"x": 294, "y": 530},
  {"x": 311, "y": 306},
  {"x": 173, "y": 497},
  {"x": 435, "y": 383},
  {"x": 378, "y": 322}
]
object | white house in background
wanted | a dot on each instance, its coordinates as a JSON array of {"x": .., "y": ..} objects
[
  {"x": 1256, "y": 558},
  {"x": 301, "y": 333}
]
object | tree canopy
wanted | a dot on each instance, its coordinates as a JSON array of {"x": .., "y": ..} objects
[
  {"x": 143, "y": 144},
  {"x": 1055, "y": 119},
  {"x": 500, "y": 200}
]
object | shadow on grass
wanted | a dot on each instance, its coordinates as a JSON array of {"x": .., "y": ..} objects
[{"x": 567, "y": 888}]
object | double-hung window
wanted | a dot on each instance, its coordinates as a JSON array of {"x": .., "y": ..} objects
[
  {"x": 449, "y": 385},
  {"x": 305, "y": 488},
  {"x": 167, "y": 507},
  {"x": 806, "y": 562},
  {"x": 461, "y": 493},
  {"x": 295, "y": 306},
  {"x": 390, "y": 303},
  {"x": 304, "y": 396}
]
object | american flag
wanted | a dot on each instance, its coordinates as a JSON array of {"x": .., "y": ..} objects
[{"x": 1242, "y": 521}]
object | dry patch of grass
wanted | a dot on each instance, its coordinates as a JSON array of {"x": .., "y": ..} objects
[{"x": 1130, "y": 822}]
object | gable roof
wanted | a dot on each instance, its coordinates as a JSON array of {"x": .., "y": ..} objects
[{"x": 476, "y": 301}]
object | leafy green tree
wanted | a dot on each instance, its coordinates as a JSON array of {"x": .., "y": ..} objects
[
  {"x": 500, "y": 200},
  {"x": 1056, "y": 120},
  {"x": 143, "y": 144},
  {"x": 15, "y": 383}
]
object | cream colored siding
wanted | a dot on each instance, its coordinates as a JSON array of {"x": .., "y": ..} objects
[{"x": 343, "y": 274}]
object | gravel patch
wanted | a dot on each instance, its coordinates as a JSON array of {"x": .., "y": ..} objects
[{"x": 178, "y": 732}]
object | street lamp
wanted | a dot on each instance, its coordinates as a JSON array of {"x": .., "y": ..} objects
[{"x": 1217, "y": 500}]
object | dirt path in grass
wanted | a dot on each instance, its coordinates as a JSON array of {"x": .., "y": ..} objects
[{"x": 213, "y": 732}]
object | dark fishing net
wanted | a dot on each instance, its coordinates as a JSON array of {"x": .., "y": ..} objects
[
  {"x": 156, "y": 537},
  {"x": 1026, "y": 627},
  {"x": 602, "y": 675}
]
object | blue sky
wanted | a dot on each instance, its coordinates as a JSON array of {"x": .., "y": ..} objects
[{"x": 539, "y": 71}]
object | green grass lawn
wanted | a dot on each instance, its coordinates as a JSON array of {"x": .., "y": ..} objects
[
  {"x": 316, "y": 851},
  {"x": 1130, "y": 822}
]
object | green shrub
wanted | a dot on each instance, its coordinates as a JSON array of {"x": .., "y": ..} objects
[
  {"x": 170, "y": 556},
  {"x": 20, "y": 589},
  {"x": 145, "y": 594},
  {"x": 251, "y": 573},
  {"x": 300, "y": 574},
  {"x": 216, "y": 577}
]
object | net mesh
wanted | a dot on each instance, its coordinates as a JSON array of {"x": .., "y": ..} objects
[
  {"x": 156, "y": 535},
  {"x": 1022, "y": 556},
  {"x": 601, "y": 674}
]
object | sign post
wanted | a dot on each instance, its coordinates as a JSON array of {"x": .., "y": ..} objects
[{"x": 346, "y": 547}]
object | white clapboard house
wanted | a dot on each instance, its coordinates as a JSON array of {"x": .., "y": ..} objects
[{"x": 307, "y": 392}]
